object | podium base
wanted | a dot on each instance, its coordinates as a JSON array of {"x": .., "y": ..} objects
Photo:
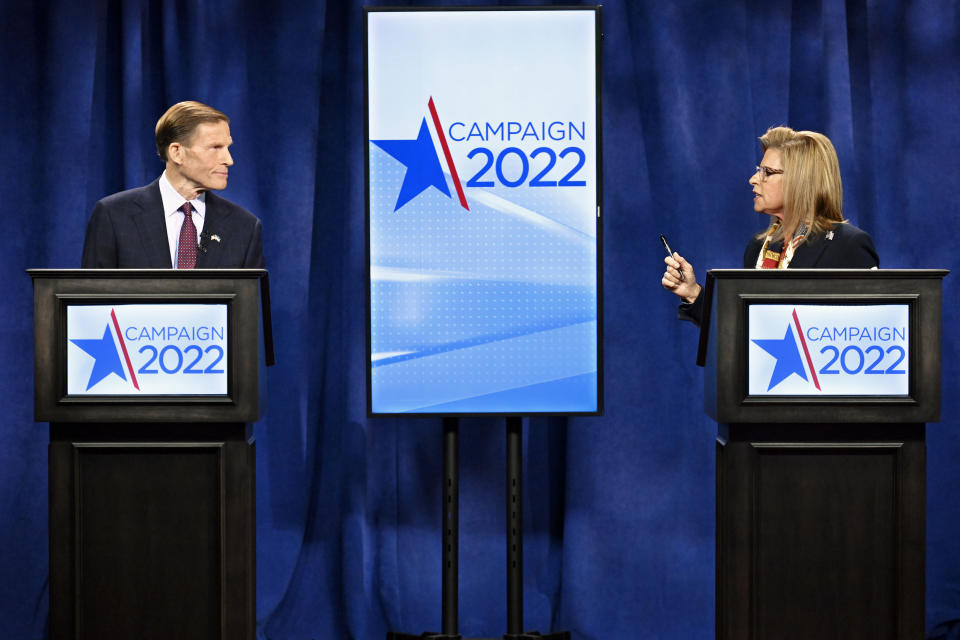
[
  {"x": 780, "y": 572},
  {"x": 152, "y": 530}
]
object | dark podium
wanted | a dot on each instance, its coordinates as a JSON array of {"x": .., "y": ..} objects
[
  {"x": 821, "y": 382},
  {"x": 151, "y": 458}
]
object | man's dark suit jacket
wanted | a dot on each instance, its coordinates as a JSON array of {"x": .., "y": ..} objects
[
  {"x": 127, "y": 230},
  {"x": 848, "y": 248}
]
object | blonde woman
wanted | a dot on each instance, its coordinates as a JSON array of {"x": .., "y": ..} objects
[{"x": 798, "y": 185}]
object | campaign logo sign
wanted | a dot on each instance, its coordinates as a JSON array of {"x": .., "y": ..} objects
[
  {"x": 483, "y": 211},
  {"x": 422, "y": 165},
  {"x": 515, "y": 155},
  {"x": 147, "y": 349},
  {"x": 855, "y": 350}
]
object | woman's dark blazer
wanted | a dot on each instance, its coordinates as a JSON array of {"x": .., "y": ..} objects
[{"x": 845, "y": 247}]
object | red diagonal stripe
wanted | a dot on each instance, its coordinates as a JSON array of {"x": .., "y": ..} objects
[
  {"x": 123, "y": 345},
  {"x": 806, "y": 352},
  {"x": 446, "y": 154}
]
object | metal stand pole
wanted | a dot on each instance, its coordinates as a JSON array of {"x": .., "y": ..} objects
[
  {"x": 515, "y": 539},
  {"x": 451, "y": 529},
  {"x": 450, "y": 588},
  {"x": 451, "y": 534},
  {"x": 514, "y": 528}
]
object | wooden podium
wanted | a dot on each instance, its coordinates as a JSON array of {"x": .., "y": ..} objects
[
  {"x": 821, "y": 382},
  {"x": 152, "y": 487}
]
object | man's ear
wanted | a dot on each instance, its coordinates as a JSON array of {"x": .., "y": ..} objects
[{"x": 175, "y": 153}]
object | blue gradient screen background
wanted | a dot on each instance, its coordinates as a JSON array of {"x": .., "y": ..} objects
[{"x": 490, "y": 307}]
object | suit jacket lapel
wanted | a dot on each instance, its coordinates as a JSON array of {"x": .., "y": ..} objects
[
  {"x": 153, "y": 228},
  {"x": 213, "y": 225},
  {"x": 808, "y": 254}
]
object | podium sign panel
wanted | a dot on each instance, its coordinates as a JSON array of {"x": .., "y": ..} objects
[
  {"x": 147, "y": 349},
  {"x": 828, "y": 350},
  {"x": 148, "y": 345},
  {"x": 822, "y": 345}
]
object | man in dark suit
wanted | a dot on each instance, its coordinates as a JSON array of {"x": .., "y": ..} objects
[{"x": 176, "y": 220}]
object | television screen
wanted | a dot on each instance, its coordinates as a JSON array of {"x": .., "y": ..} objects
[{"x": 483, "y": 211}]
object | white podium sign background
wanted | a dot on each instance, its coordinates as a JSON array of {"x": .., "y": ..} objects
[
  {"x": 830, "y": 350},
  {"x": 147, "y": 349}
]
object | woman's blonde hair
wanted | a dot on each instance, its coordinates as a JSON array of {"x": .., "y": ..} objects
[{"x": 812, "y": 190}]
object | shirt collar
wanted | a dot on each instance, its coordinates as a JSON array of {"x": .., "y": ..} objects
[{"x": 172, "y": 201}]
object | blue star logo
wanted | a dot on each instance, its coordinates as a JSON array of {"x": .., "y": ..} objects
[
  {"x": 787, "y": 355},
  {"x": 423, "y": 165},
  {"x": 106, "y": 360}
]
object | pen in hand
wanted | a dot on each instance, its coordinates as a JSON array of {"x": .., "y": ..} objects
[{"x": 666, "y": 246}]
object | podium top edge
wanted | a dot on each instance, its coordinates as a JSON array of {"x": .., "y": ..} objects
[
  {"x": 829, "y": 273},
  {"x": 147, "y": 273}
]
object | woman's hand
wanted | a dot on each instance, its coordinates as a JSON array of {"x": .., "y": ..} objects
[{"x": 688, "y": 289}]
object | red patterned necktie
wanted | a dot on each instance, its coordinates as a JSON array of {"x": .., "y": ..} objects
[{"x": 187, "y": 245}]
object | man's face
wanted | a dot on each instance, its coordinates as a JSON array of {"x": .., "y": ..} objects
[{"x": 204, "y": 160}]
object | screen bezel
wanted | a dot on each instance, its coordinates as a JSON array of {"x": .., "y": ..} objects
[{"x": 599, "y": 219}]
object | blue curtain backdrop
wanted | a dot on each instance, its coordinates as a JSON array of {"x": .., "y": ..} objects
[{"x": 620, "y": 509}]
